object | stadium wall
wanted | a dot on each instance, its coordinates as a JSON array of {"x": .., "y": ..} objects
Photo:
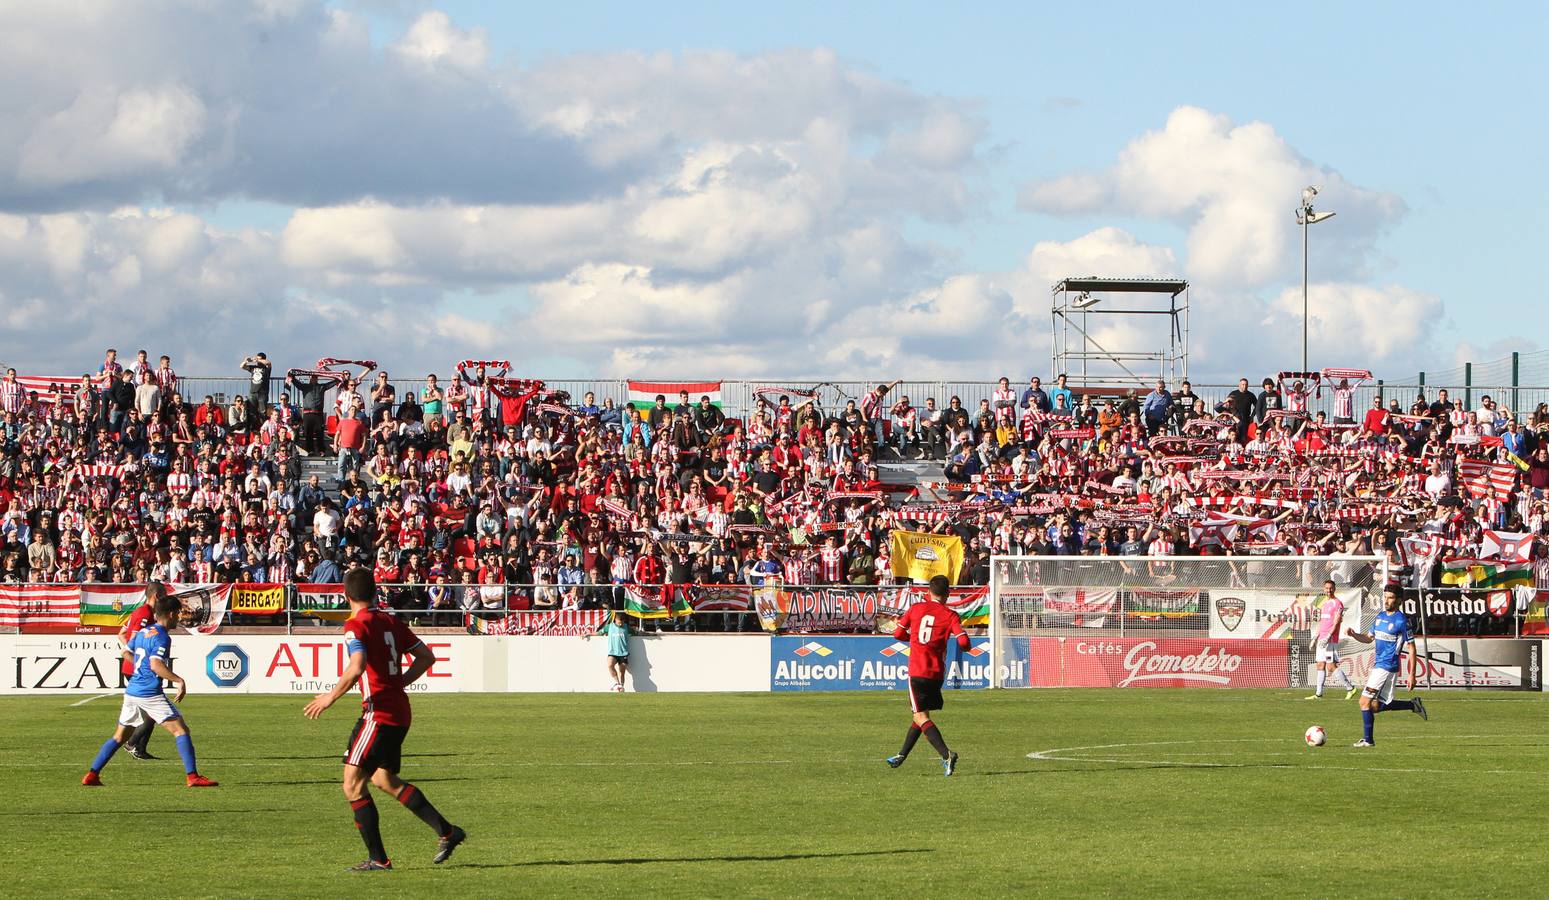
[
  {"x": 295, "y": 664},
  {"x": 306, "y": 665}
]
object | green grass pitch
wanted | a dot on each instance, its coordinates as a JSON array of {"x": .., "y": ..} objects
[{"x": 1138, "y": 792}]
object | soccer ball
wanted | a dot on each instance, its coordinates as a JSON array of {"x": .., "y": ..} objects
[
  {"x": 618, "y": 688},
  {"x": 1315, "y": 736}
]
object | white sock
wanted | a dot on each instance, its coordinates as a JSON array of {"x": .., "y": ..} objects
[
  {"x": 1344, "y": 679},
  {"x": 1322, "y": 676}
]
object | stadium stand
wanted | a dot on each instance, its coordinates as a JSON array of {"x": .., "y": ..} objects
[{"x": 461, "y": 487}]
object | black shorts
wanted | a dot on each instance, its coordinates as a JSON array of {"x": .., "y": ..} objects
[
  {"x": 375, "y": 746},
  {"x": 619, "y": 659},
  {"x": 925, "y": 694}
]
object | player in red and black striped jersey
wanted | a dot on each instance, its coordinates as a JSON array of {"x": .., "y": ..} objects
[
  {"x": 377, "y": 642},
  {"x": 928, "y": 626}
]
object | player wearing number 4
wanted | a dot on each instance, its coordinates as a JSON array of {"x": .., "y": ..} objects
[
  {"x": 1390, "y": 632},
  {"x": 144, "y": 699},
  {"x": 928, "y": 625},
  {"x": 376, "y": 642},
  {"x": 1331, "y": 613}
]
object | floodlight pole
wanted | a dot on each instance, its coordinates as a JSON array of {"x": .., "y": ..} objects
[
  {"x": 1305, "y": 223},
  {"x": 1306, "y": 217}
]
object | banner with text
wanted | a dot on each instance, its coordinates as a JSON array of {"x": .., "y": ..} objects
[
  {"x": 868, "y": 663},
  {"x": 1273, "y": 615},
  {"x": 257, "y": 599},
  {"x": 920, "y": 556},
  {"x": 858, "y": 609},
  {"x": 1162, "y": 662},
  {"x": 322, "y": 601},
  {"x": 40, "y": 607},
  {"x": 1498, "y": 664},
  {"x": 574, "y": 623},
  {"x": 104, "y": 608}
]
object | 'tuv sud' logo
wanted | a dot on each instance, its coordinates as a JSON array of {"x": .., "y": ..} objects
[
  {"x": 226, "y": 665},
  {"x": 810, "y": 648},
  {"x": 1230, "y": 611}
]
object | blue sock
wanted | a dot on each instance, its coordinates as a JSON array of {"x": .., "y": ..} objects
[
  {"x": 1397, "y": 704},
  {"x": 1368, "y": 719},
  {"x": 185, "y": 749},
  {"x": 106, "y": 753}
]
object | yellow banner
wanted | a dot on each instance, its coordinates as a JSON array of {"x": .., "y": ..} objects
[
  {"x": 257, "y": 599},
  {"x": 920, "y": 556}
]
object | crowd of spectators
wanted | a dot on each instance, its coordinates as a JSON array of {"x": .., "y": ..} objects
[{"x": 481, "y": 481}]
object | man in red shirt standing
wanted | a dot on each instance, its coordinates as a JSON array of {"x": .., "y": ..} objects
[
  {"x": 376, "y": 642},
  {"x": 928, "y": 625},
  {"x": 1376, "y": 420},
  {"x": 349, "y": 442}
]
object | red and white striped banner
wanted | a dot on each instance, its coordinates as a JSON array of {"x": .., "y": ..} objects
[
  {"x": 566, "y": 623},
  {"x": 47, "y": 386},
  {"x": 1487, "y": 479},
  {"x": 1241, "y": 500},
  {"x": 29, "y": 605}
]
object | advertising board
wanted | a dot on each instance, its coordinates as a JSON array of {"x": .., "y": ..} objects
[
  {"x": 1159, "y": 662},
  {"x": 867, "y": 663},
  {"x": 1493, "y": 664}
]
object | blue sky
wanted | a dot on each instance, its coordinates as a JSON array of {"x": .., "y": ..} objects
[
  {"x": 447, "y": 179},
  {"x": 1434, "y": 102}
]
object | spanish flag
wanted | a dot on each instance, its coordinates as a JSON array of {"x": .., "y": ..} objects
[{"x": 919, "y": 556}]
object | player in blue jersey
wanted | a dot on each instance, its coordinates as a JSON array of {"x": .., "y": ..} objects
[
  {"x": 144, "y": 700},
  {"x": 1390, "y": 632}
]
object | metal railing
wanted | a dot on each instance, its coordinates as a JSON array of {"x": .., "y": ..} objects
[{"x": 737, "y": 397}]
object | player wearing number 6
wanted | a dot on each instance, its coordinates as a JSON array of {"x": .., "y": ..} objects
[
  {"x": 928, "y": 625},
  {"x": 376, "y": 642}
]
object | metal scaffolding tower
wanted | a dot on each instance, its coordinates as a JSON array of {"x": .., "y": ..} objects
[{"x": 1137, "y": 358}]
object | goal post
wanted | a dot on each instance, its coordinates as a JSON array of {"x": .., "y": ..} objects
[{"x": 1171, "y": 621}]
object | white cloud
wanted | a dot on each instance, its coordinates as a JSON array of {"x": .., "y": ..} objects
[
  {"x": 1233, "y": 188},
  {"x": 704, "y": 213},
  {"x": 1360, "y": 325},
  {"x": 632, "y": 207},
  {"x": 434, "y": 41}
]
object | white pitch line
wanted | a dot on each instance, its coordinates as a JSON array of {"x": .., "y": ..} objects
[
  {"x": 1049, "y": 756},
  {"x": 282, "y": 763},
  {"x": 98, "y": 697}
]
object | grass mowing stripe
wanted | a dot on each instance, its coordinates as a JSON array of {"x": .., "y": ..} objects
[{"x": 776, "y": 795}]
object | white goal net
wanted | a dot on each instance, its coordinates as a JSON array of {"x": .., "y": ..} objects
[{"x": 1213, "y": 621}]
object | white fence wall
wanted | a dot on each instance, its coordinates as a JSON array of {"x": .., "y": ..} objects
[{"x": 306, "y": 665}]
